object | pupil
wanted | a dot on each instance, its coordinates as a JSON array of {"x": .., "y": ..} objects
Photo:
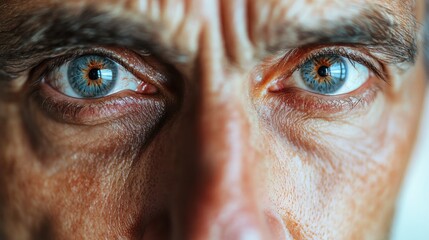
[
  {"x": 94, "y": 74},
  {"x": 323, "y": 71}
]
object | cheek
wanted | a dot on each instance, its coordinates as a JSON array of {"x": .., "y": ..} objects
[
  {"x": 340, "y": 176},
  {"x": 75, "y": 179},
  {"x": 110, "y": 197}
]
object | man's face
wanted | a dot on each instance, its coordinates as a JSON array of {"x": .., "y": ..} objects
[{"x": 214, "y": 119}]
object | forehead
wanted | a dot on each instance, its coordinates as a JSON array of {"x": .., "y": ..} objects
[
  {"x": 310, "y": 12},
  {"x": 302, "y": 13},
  {"x": 300, "y": 10},
  {"x": 265, "y": 15}
]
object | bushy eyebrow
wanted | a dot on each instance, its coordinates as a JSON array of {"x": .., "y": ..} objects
[
  {"x": 55, "y": 31},
  {"x": 29, "y": 37},
  {"x": 379, "y": 28}
]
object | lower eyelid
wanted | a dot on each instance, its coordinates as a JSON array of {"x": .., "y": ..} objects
[
  {"x": 315, "y": 104},
  {"x": 95, "y": 111}
]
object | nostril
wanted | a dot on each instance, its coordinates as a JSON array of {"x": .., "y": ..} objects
[{"x": 277, "y": 227}]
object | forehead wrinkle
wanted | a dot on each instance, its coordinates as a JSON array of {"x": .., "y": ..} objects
[{"x": 175, "y": 17}]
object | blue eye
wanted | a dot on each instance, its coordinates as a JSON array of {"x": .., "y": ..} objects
[
  {"x": 92, "y": 76},
  {"x": 331, "y": 75},
  {"x": 325, "y": 74},
  {"x": 95, "y": 76}
]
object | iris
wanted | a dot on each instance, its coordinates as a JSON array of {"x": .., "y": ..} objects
[
  {"x": 92, "y": 76},
  {"x": 324, "y": 74}
]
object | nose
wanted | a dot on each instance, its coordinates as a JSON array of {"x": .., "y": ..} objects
[
  {"x": 224, "y": 201},
  {"x": 225, "y": 205}
]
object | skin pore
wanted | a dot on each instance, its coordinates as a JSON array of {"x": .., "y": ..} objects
[{"x": 228, "y": 146}]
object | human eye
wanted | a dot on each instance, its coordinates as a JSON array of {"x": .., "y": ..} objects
[
  {"x": 92, "y": 86},
  {"x": 332, "y": 78},
  {"x": 94, "y": 76},
  {"x": 331, "y": 75}
]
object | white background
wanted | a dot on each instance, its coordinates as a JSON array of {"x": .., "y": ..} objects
[{"x": 412, "y": 215}]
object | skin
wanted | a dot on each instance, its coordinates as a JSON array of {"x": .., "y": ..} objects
[{"x": 214, "y": 154}]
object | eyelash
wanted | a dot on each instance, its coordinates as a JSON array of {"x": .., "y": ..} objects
[
  {"x": 56, "y": 62},
  {"x": 343, "y": 52},
  {"x": 73, "y": 109},
  {"x": 77, "y": 111},
  {"x": 90, "y": 111},
  {"x": 317, "y": 104}
]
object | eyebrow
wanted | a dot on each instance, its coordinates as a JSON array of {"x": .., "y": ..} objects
[
  {"x": 390, "y": 34},
  {"x": 50, "y": 32}
]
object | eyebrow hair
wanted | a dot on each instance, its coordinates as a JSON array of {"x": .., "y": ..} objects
[
  {"x": 55, "y": 31},
  {"x": 50, "y": 32},
  {"x": 391, "y": 34}
]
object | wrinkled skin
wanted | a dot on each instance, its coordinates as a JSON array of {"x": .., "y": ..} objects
[{"x": 215, "y": 154}]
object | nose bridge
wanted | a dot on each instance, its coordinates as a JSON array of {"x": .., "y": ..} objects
[
  {"x": 223, "y": 133},
  {"x": 224, "y": 203},
  {"x": 220, "y": 204},
  {"x": 223, "y": 128}
]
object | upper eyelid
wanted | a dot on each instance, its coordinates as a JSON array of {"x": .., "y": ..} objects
[
  {"x": 55, "y": 62},
  {"x": 303, "y": 55},
  {"x": 349, "y": 52},
  {"x": 58, "y": 61},
  {"x": 65, "y": 86}
]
